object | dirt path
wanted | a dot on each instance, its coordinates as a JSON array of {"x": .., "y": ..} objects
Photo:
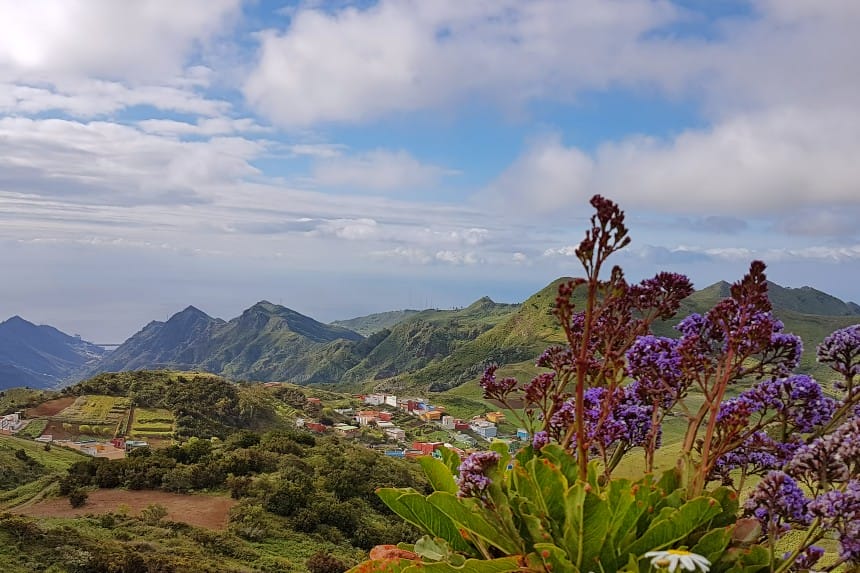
[
  {"x": 51, "y": 407},
  {"x": 30, "y": 501},
  {"x": 211, "y": 512}
]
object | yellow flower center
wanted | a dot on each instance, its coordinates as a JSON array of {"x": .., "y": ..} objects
[{"x": 678, "y": 552}]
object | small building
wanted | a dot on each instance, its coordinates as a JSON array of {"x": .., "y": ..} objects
[
  {"x": 345, "y": 411},
  {"x": 484, "y": 428},
  {"x": 384, "y": 425},
  {"x": 134, "y": 444},
  {"x": 300, "y": 422},
  {"x": 316, "y": 427},
  {"x": 118, "y": 443},
  {"x": 384, "y": 416},
  {"x": 431, "y": 416},
  {"x": 523, "y": 434},
  {"x": 465, "y": 439},
  {"x": 390, "y": 400},
  {"x": 365, "y": 417},
  {"x": 461, "y": 425},
  {"x": 346, "y": 430},
  {"x": 45, "y": 438},
  {"x": 426, "y": 448},
  {"x": 447, "y": 422},
  {"x": 314, "y": 401},
  {"x": 374, "y": 399},
  {"x": 395, "y": 434},
  {"x": 495, "y": 417},
  {"x": 395, "y": 453}
]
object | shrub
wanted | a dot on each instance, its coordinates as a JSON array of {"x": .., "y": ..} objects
[
  {"x": 78, "y": 497},
  {"x": 322, "y": 563}
]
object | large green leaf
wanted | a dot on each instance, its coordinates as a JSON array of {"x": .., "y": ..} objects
[
  {"x": 451, "y": 459},
  {"x": 574, "y": 522},
  {"x": 562, "y": 459},
  {"x": 467, "y": 514},
  {"x": 534, "y": 528},
  {"x": 501, "y": 565},
  {"x": 552, "y": 486},
  {"x": 675, "y": 526},
  {"x": 417, "y": 510},
  {"x": 438, "y": 474},
  {"x": 712, "y": 544},
  {"x": 554, "y": 559}
]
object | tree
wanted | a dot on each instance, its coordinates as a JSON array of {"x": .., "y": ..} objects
[
  {"x": 153, "y": 513},
  {"x": 78, "y": 497},
  {"x": 322, "y": 563}
]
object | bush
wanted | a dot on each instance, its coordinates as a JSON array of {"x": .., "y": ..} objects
[
  {"x": 153, "y": 513},
  {"x": 78, "y": 497},
  {"x": 322, "y": 563}
]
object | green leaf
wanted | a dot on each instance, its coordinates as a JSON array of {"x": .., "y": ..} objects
[
  {"x": 756, "y": 559},
  {"x": 565, "y": 462},
  {"x": 676, "y": 526},
  {"x": 728, "y": 500},
  {"x": 712, "y": 544},
  {"x": 467, "y": 514},
  {"x": 504, "y": 452},
  {"x": 438, "y": 474},
  {"x": 554, "y": 558},
  {"x": 574, "y": 522},
  {"x": 552, "y": 486},
  {"x": 534, "y": 527},
  {"x": 451, "y": 459},
  {"x": 501, "y": 565},
  {"x": 417, "y": 510},
  {"x": 432, "y": 549}
]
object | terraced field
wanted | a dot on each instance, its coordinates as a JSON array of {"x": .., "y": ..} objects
[{"x": 151, "y": 423}]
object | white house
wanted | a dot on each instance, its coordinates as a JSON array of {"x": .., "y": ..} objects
[
  {"x": 391, "y": 400},
  {"x": 483, "y": 428},
  {"x": 374, "y": 399}
]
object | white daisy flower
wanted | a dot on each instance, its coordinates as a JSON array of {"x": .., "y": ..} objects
[{"x": 672, "y": 558}]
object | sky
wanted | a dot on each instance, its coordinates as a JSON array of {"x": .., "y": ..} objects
[{"x": 342, "y": 158}]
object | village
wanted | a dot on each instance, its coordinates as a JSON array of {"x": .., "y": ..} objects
[
  {"x": 463, "y": 436},
  {"x": 395, "y": 426}
]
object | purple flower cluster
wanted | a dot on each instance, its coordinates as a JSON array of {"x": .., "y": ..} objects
[
  {"x": 758, "y": 454},
  {"x": 777, "y": 501},
  {"x": 831, "y": 459},
  {"x": 839, "y": 510},
  {"x": 808, "y": 558},
  {"x": 540, "y": 439},
  {"x": 495, "y": 389},
  {"x": 628, "y": 420},
  {"x": 798, "y": 401},
  {"x": 841, "y": 351},
  {"x": 654, "y": 362},
  {"x": 473, "y": 481}
]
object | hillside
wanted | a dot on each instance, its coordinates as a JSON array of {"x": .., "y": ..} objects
[
  {"x": 426, "y": 338},
  {"x": 518, "y": 340},
  {"x": 40, "y": 356},
  {"x": 373, "y": 323},
  {"x": 266, "y": 342}
]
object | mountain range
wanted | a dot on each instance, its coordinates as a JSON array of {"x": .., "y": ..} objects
[{"x": 430, "y": 349}]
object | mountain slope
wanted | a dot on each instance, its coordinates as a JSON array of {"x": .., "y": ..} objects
[
  {"x": 40, "y": 356},
  {"x": 373, "y": 323},
  {"x": 180, "y": 342},
  {"x": 266, "y": 342},
  {"x": 427, "y": 337}
]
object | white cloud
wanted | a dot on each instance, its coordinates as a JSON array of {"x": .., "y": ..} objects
[
  {"x": 115, "y": 164},
  {"x": 759, "y": 164},
  {"x": 378, "y": 170},
  {"x": 202, "y": 127},
  {"x": 353, "y": 65},
  {"x": 122, "y": 40}
]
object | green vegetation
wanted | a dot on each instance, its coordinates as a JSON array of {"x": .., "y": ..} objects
[
  {"x": 24, "y": 461},
  {"x": 151, "y": 422},
  {"x": 14, "y": 399},
  {"x": 95, "y": 410},
  {"x": 373, "y": 323},
  {"x": 33, "y": 429}
]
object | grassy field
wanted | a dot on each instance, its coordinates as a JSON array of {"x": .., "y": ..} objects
[
  {"x": 95, "y": 409},
  {"x": 33, "y": 429},
  {"x": 151, "y": 422}
]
